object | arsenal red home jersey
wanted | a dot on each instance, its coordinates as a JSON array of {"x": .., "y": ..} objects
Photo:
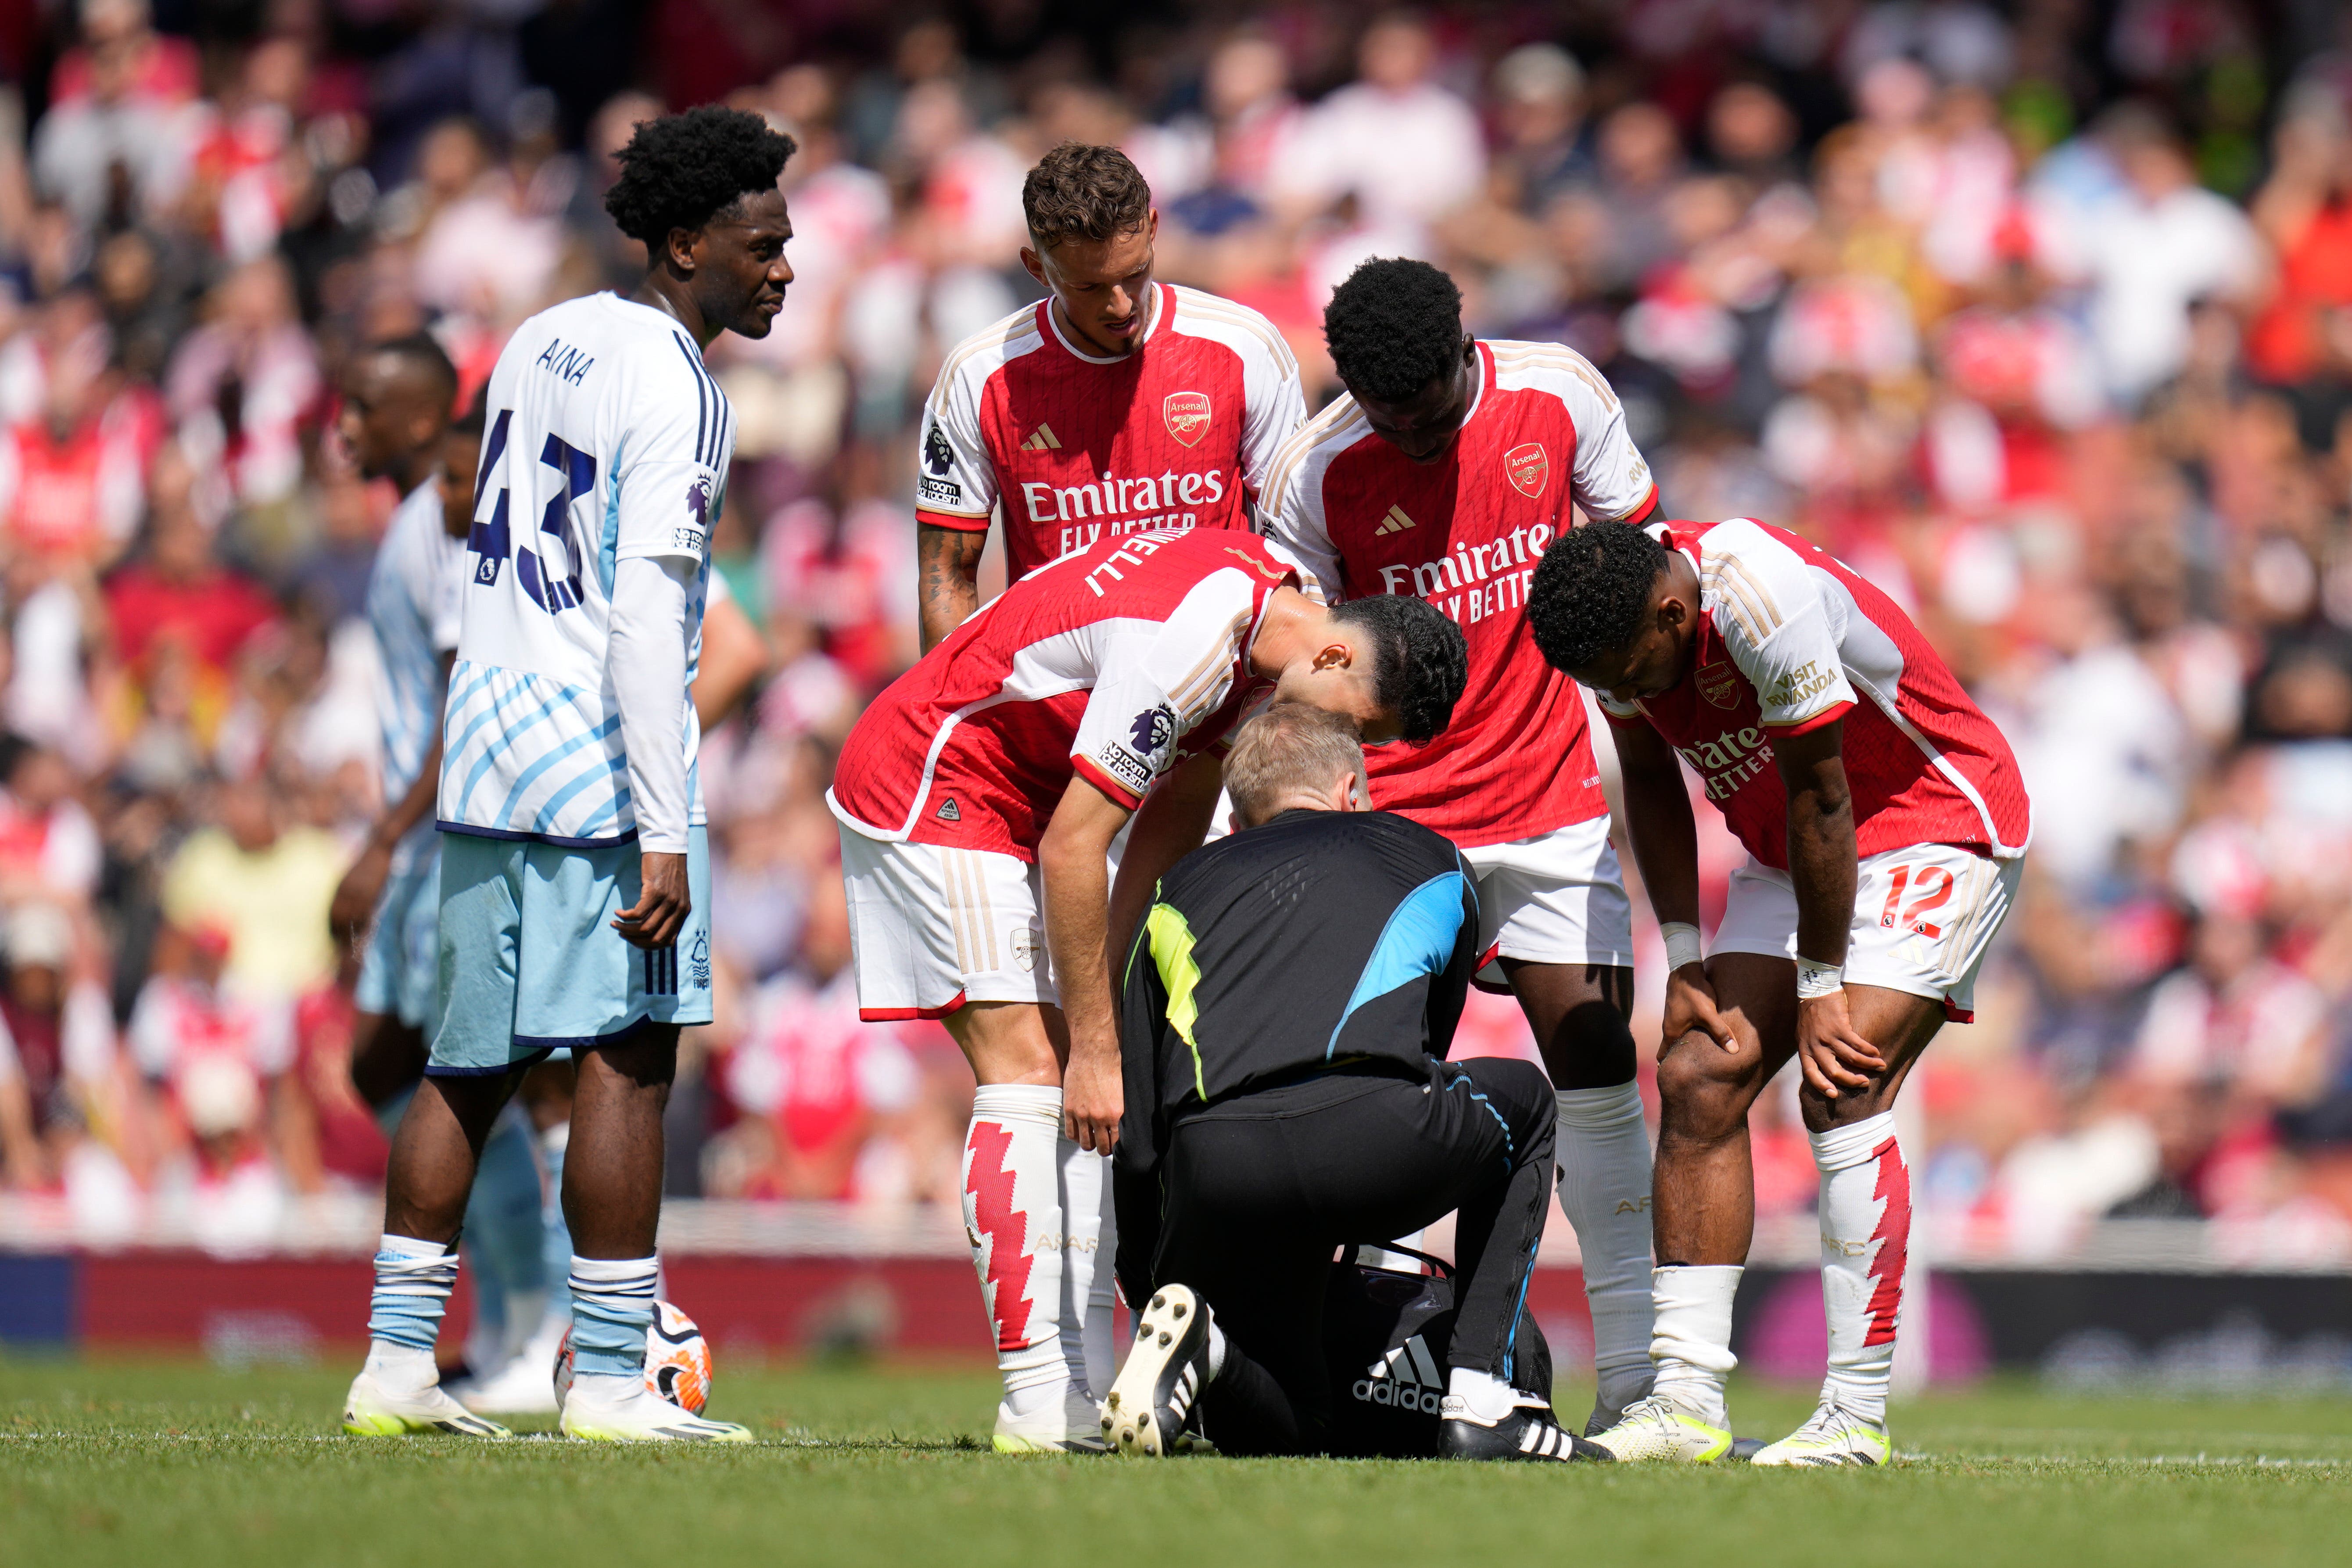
[
  {"x": 1464, "y": 534},
  {"x": 1074, "y": 448},
  {"x": 1116, "y": 663},
  {"x": 1790, "y": 640}
]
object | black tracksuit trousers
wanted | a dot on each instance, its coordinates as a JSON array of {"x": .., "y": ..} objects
[{"x": 1260, "y": 1190}]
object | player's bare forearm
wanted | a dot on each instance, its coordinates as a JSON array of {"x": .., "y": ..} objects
[
  {"x": 1821, "y": 858},
  {"x": 353, "y": 905},
  {"x": 735, "y": 659},
  {"x": 1172, "y": 823},
  {"x": 1834, "y": 1056},
  {"x": 1665, "y": 848},
  {"x": 1072, "y": 860},
  {"x": 948, "y": 578},
  {"x": 1658, "y": 822}
]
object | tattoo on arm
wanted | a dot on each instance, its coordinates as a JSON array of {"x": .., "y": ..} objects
[{"x": 948, "y": 581}]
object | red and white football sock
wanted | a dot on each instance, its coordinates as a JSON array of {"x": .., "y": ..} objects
[
  {"x": 1012, "y": 1217},
  {"x": 1090, "y": 1238},
  {"x": 1865, "y": 1244},
  {"x": 1691, "y": 1344},
  {"x": 1604, "y": 1190}
]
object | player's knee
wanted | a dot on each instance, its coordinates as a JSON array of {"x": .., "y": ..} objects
[{"x": 1703, "y": 1089}]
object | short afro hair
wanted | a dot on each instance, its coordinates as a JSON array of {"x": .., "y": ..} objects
[
  {"x": 1078, "y": 192},
  {"x": 1393, "y": 327},
  {"x": 683, "y": 170},
  {"x": 1420, "y": 660},
  {"x": 423, "y": 354},
  {"x": 1591, "y": 590}
]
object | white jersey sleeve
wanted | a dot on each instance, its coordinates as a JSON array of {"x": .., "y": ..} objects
[
  {"x": 1610, "y": 481},
  {"x": 670, "y": 466},
  {"x": 1776, "y": 624},
  {"x": 446, "y": 605},
  {"x": 955, "y": 482},
  {"x": 1157, "y": 683},
  {"x": 1290, "y": 506}
]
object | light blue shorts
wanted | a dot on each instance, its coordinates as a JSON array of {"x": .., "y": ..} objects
[
  {"x": 529, "y": 961},
  {"x": 400, "y": 968}
]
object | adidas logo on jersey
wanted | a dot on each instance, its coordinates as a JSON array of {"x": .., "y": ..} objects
[
  {"x": 949, "y": 811},
  {"x": 1042, "y": 439},
  {"x": 1394, "y": 522},
  {"x": 1407, "y": 1378}
]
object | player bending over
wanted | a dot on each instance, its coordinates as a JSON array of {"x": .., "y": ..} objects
[
  {"x": 1287, "y": 1096},
  {"x": 1114, "y": 405},
  {"x": 574, "y": 880},
  {"x": 1885, "y": 826},
  {"x": 978, "y": 798},
  {"x": 1445, "y": 471}
]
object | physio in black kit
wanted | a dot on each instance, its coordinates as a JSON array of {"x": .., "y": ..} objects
[{"x": 1287, "y": 1004}]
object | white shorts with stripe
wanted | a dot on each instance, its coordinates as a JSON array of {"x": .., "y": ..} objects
[
  {"x": 1923, "y": 917},
  {"x": 1556, "y": 898},
  {"x": 932, "y": 928}
]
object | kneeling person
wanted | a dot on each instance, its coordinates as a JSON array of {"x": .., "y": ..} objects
[
  {"x": 1287, "y": 1005},
  {"x": 1886, "y": 825}
]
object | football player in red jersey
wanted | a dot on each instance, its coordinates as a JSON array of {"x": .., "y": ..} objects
[
  {"x": 1441, "y": 475},
  {"x": 978, "y": 797},
  {"x": 1885, "y": 824},
  {"x": 1114, "y": 405}
]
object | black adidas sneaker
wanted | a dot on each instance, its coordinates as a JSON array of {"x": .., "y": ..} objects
[
  {"x": 1155, "y": 1399},
  {"x": 1524, "y": 1433}
]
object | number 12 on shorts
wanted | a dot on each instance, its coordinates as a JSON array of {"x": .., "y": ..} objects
[{"x": 1934, "y": 891}]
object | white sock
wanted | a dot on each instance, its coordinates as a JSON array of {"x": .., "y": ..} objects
[
  {"x": 1866, "y": 1243},
  {"x": 1012, "y": 1203},
  {"x": 1216, "y": 1350},
  {"x": 1604, "y": 1190},
  {"x": 1091, "y": 1236},
  {"x": 1691, "y": 1346},
  {"x": 401, "y": 1369},
  {"x": 1485, "y": 1398}
]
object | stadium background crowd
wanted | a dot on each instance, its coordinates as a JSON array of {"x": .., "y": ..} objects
[{"x": 2040, "y": 316}]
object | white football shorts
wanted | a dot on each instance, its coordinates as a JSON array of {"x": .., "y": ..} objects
[
  {"x": 1923, "y": 917},
  {"x": 1556, "y": 898},
  {"x": 932, "y": 928}
]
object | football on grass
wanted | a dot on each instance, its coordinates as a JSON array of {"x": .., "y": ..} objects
[{"x": 677, "y": 1360}]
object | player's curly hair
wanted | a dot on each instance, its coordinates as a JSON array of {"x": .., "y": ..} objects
[
  {"x": 1591, "y": 590},
  {"x": 683, "y": 170},
  {"x": 1420, "y": 660},
  {"x": 1393, "y": 326},
  {"x": 1078, "y": 191}
]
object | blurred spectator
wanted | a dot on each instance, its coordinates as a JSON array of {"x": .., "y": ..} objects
[
  {"x": 1406, "y": 149},
  {"x": 2158, "y": 245},
  {"x": 258, "y": 887}
]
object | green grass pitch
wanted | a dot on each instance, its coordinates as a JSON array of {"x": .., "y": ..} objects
[{"x": 170, "y": 1462}]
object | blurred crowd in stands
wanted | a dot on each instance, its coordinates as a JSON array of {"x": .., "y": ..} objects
[{"x": 2040, "y": 315}]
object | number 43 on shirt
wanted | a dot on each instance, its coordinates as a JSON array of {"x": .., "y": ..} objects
[{"x": 492, "y": 540}]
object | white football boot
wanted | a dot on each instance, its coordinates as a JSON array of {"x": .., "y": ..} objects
[
  {"x": 624, "y": 1410},
  {"x": 372, "y": 1410},
  {"x": 1833, "y": 1437},
  {"x": 1151, "y": 1408},
  {"x": 1072, "y": 1427},
  {"x": 526, "y": 1384},
  {"x": 1658, "y": 1428}
]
